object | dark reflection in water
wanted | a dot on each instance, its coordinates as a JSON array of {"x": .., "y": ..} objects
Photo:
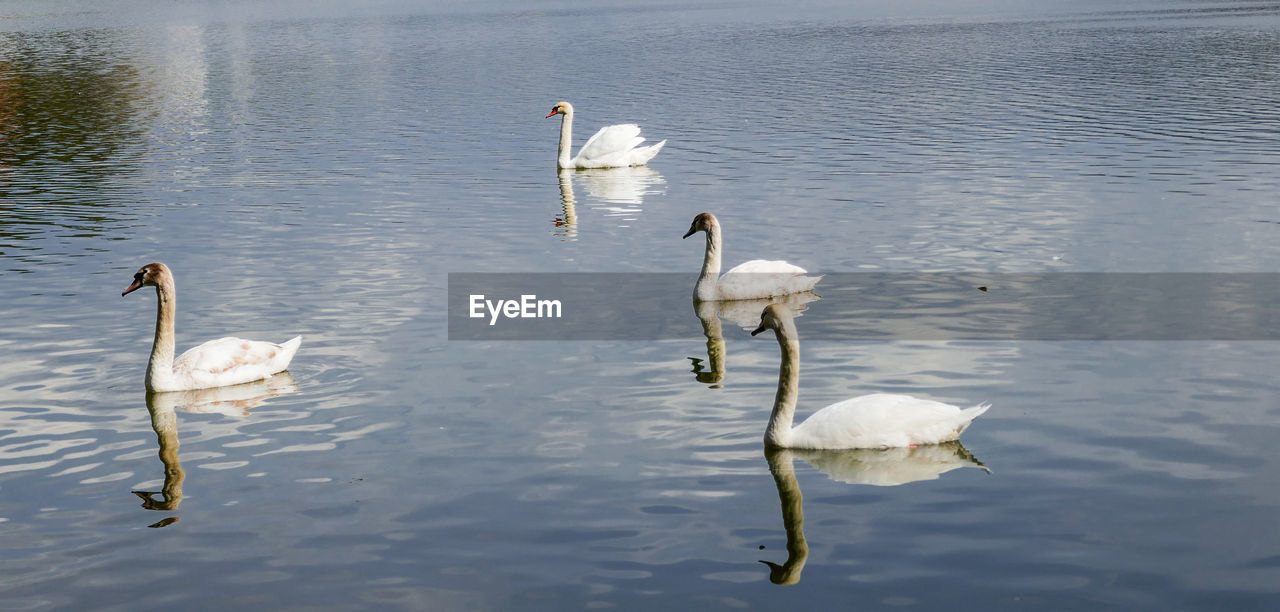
[
  {"x": 744, "y": 314},
  {"x": 876, "y": 467},
  {"x": 164, "y": 421},
  {"x": 70, "y": 125},
  {"x": 234, "y": 401}
]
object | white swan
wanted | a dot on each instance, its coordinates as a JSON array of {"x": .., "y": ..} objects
[
  {"x": 614, "y": 146},
  {"x": 217, "y": 363},
  {"x": 879, "y": 420},
  {"x": 750, "y": 280}
]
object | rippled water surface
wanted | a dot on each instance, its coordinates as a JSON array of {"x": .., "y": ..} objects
[{"x": 319, "y": 168}]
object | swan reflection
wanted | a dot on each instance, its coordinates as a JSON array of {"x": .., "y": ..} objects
[
  {"x": 619, "y": 192},
  {"x": 875, "y": 467},
  {"x": 231, "y": 401},
  {"x": 566, "y": 225},
  {"x": 744, "y": 314}
]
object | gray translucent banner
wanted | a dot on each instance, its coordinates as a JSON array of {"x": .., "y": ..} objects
[{"x": 877, "y": 306}]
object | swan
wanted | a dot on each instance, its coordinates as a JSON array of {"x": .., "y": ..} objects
[
  {"x": 749, "y": 280},
  {"x": 217, "y": 363},
  {"x": 614, "y": 146},
  {"x": 878, "y": 420}
]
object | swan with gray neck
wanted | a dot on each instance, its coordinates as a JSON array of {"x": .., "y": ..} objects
[
  {"x": 878, "y": 420},
  {"x": 755, "y": 279},
  {"x": 217, "y": 363}
]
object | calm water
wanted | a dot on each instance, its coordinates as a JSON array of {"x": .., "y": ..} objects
[{"x": 319, "y": 168}]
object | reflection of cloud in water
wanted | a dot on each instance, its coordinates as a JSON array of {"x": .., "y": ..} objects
[
  {"x": 619, "y": 192},
  {"x": 876, "y": 467}
]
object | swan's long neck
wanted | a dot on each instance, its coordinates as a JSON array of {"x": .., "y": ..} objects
[
  {"x": 784, "y": 476},
  {"x": 566, "y": 140},
  {"x": 160, "y": 367},
  {"x": 778, "y": 432},
  {"x": 705, "y": 289}
]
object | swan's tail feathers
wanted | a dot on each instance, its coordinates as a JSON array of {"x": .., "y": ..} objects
[
  {"x": 967, "y": 415},
  {"x": 286, "y": 355},
  {"x": 642, "y": 155}
]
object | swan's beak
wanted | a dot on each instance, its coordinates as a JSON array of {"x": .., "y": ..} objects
[
  {"x": 134, "y": 287},
  {"x": 550, "y": 114},
  {"x": 759, "y": 329},
  {"x": 691, "y": 231}
]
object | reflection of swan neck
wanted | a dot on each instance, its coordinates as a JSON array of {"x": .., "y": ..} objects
[
  {"x": 705, "y": 289},
  {"x": 160, "y": 365},
  {"x": 567, "y": 200},
  {"x": 708, "y": 314},
  {"x": 566, "y": 138},
  {"x": 784, "y": 476},
  {"x": 778, "y": 433},
  {"x": 164, "y": 421}
]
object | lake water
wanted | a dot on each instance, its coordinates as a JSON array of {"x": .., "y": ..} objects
[{"x": 320, "y": 168}]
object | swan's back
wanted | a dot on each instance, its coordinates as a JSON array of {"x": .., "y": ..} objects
[
  {"x": 760, "y": 278},
  {"x": 883, "y": 420},
  {"x": 616, "y": 146},
  {"x": 232, "y": 361}
]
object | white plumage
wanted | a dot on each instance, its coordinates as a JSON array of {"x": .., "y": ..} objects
[
  {"x": 614, "y": 146},
  {"x": 217, "y": 363},
  {"x": 878, "y": 420},
  {"x": 755, "y": 279}
]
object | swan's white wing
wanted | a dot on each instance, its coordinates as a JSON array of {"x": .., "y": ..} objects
[
  {"x": 883, "y": 420},
  {"x": 639, "y": 156},
  {"x": 614, "y": 146},
  {"x": 764, "y": 266},
  {"x": 230, "y": 361},
  {"x": 611, "y": 139},
  {"x": 761, "y": 278}
]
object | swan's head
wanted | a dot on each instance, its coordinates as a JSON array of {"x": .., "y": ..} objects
[
  {"x": 701, "y": 223},
  {"x": 150, "y": 275},
  {"x": 773, "y": 317},
  {"x": 561, "y": 108}
]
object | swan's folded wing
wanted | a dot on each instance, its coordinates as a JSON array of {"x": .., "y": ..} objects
[
  {"x": 760, "y": 278},
  {"x": 227, "y": 357},
  {"x": 764, "y": 266},
  {"x": 882, "y": 420},
  {"x": 611, "y": 140}
]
